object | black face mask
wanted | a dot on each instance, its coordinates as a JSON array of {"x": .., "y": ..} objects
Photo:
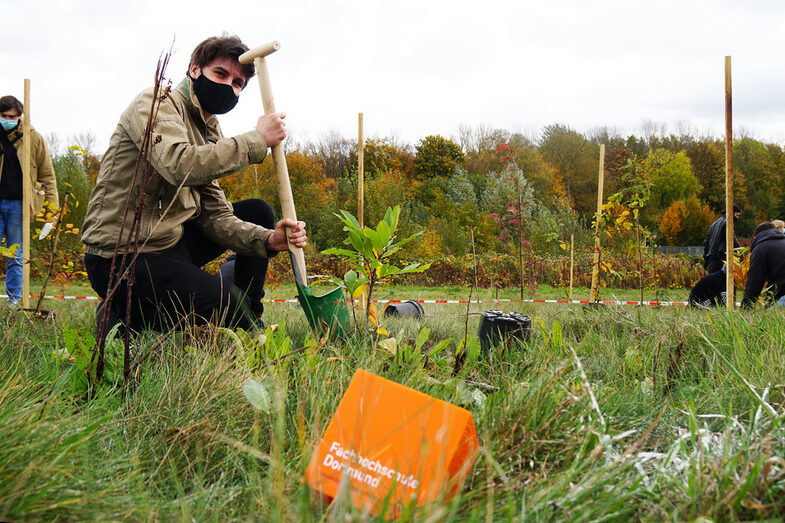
[{"x": 215, "y": 98}]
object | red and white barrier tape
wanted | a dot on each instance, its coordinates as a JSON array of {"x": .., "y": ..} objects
[{"x": 465, "y": 302}]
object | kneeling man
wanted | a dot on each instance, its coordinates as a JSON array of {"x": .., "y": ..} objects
[{"x": 186, "y": 220}]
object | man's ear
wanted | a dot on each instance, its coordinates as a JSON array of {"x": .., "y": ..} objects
[{"x": 194, "y": 70}]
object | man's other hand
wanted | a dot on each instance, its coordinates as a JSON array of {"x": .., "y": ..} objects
[
  {"x": 277, "y": 240},
  {"x": 272, "y": 127}
]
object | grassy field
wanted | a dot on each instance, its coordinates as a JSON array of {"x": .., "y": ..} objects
[{"x": 605, "y": 413}]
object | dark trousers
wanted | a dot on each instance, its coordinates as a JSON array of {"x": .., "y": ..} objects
[
  {"x": 170, "y": 284},
  {"x": 710, "y": 291}
]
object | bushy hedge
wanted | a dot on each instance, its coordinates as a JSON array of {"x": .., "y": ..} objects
[{"x": 659, "y": 270}]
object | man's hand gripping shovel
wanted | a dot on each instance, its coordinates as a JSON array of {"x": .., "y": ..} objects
[{"x": 328, "y": 311}]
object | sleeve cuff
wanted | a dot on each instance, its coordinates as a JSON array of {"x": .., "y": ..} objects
[
  {"x": 257, "y": 148},
  {"x": 259, "y": 245}
]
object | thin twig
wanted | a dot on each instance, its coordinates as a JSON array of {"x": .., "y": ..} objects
[{"x": 131, "y": 245}]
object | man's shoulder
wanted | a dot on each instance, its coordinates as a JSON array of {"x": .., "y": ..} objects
[
  {"x": 772, "y": 241},
  {"x": 144, "y": 98}
]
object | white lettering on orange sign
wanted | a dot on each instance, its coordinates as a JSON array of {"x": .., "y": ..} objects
[{"x": 351, "y": 457}]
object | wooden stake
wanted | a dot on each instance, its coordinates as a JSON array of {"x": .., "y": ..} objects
[
  {"x": 361, "y": 183},
  {"x": 595, "y": 271},
  {"x": 729, "y": 276},
  {"x": 360, "y": 171},
  {"x": 27, "y": 189},
  {"x": 572, "y": 260}
]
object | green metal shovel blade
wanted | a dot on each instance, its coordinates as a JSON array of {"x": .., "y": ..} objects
[{"x": 325, "y": 312}]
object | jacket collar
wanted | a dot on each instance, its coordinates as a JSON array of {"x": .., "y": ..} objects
[
  {"x": 16, "y": 134},
  {"x": 185, "y": 87},
  {"x": 210, "y": 125}
]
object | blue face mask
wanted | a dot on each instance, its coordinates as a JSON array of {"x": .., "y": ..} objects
[{"x": 8, "y": 124}]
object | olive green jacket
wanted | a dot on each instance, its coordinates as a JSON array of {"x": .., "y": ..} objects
[
  {"x": 41, "y": 170},
  {"x": 187, "y": 156}
]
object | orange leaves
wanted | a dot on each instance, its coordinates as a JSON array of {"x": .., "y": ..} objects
[{"x": 685, "y": 222}]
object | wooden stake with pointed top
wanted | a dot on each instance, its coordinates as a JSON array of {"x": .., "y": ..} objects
[
  {"x": 729, "y": 275},
  {"x": 572, "y": 260},
  {"x": 360, "y": 172},
  {"x": 595, "y": 270},
  {"x": 27, "y": 189}
]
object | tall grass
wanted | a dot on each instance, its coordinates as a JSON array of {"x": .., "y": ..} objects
[{"x": 609, "y": 413}]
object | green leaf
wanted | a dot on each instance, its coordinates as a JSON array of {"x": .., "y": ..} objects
[
  {"x": 357, "y": 240},
  {"x": 375, "y": 237},
  {"x": 9, "y": 252},
  {"x": 439, "y": 347},
  {"x": 350, "y": 220},
  {"x": 257, "y": 395},
  {"x": 391, "y": 217},
  {"x": 472, "y": 347},
  {"x": 350, "y": 278},
  {"x": 422, "y": 337},
  {"x": 384, "y": 234},
  {"x": 388, "y": 270},
  {"x": 557, "y": 335},
  {"x": 415, "y": 267}
]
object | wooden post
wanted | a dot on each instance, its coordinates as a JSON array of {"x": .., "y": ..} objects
[
  {"x": 26, "y": 195},
  {"x": 572, "y": 260},
  {"x": 595, "y": 270},
  {"x": 360, "y": 172},
  {"x": 361, "y": 183},
  {"x": 729, "y": 276}
]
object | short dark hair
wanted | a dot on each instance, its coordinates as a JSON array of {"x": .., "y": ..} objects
[
  {"x": 220, "y": 46},
  {"x": 763, "y": 227},
  {"x": 10, "y": 102}
]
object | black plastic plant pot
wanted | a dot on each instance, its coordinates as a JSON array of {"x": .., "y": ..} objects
[
  {"x": 498, "y": 328},
  {"x": 408, "y": 309}
]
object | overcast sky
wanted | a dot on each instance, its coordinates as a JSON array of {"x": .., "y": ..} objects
[{"x": 415, "y": 67}]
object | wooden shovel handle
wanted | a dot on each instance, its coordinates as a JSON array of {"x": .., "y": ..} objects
[{"x": 281, "y": 172}]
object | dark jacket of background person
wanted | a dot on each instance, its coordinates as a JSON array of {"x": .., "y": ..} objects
[
  {"x": 714, "y": 245},
  {"x": 767, "y": 264}
]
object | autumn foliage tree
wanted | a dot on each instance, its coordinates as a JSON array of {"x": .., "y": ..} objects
[
  {"x": 708, "y": 166},
  {"x": 671, "y": 178},
  {"x": 762, "y": 179},
  {"x": 384, "y": 155},
  {"x": 437, "y": 156},
  {"x": 685, "y": 222},
  {"x": 451, "y": 189},
  {"x": 575, "y": 159}
]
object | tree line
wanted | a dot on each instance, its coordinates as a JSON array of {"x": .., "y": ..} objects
[{"x": 461, "y": 191}]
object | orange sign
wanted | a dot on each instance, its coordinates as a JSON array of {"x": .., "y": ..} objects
[{"x": 389, "y": 440}]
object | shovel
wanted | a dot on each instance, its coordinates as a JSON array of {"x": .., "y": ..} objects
[{"x": 327, "y": 312}]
